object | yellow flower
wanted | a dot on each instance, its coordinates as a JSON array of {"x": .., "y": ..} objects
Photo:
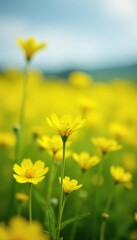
[
  {"x": 29, "y": 172},
  {"x": 30, "y": 46},
  {"x": 36, "y": 131},
  {"x": 119, "y": 131},
  {"x": 86, "y": 105},
  {"x": 20, "y": 228},
  {"x": 52, "y": 144},
  {"x": 85, "y": 161},
  {"x": 80, "y": 79},
  {"x": 70, "y": 185},
  {"x": 59, "y": 155},
  {"x": 7, "y": 139},
  {"x": 135, "y": 215},
  {"x": 22, "y": 197},
  {"x": 64, "y": 125},
  {"x": 129, "y": 161},
  {"x": 120, "y": 175},
  {"x": 106, "y": 145}
]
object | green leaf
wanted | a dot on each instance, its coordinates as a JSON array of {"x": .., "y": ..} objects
[
  {"x": 52, "y": 221},
  {"x": 74, "y": 219}
]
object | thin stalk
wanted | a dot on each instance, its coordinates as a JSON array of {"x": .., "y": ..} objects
[
  {"x": 19, "y": 130},
  {"x": 61, "y": 192},
  {"x": 96, "y": 198},
  {"x": 78, "y": 205},
  {"x": 30, "y": 202},
  {"x": 51, "y": 179},
  {"x": 63, "y": 205},
  {"x": 105, "y": 215}
]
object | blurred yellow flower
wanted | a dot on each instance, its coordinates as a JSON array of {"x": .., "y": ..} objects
[
  {"x": 129, "y": 161},
  {"x": 36, "y": 131},
  {"x": 21, "y": 229},
  {"x": 22, "y": 197},
  {"x": 106, "y": 145},
  {"x": 64, "y": 125},
  {"x": 7, "y": 139},
  {"x": 59, "y": 155},
  {"x": 120, "y": 175},
  {"x": 70, "y": 185},
  {"x": 119, "y": 131},
  {"x": 52, "y": 144},
  {"x": 29, "y": 172},
  {"x": 85, "y": 161},
  {"x": 30, "y": 46},
  {"x": 86, "y": 105},
  {"x": 135, "y": 215},
  {"x": 80, "y": 79}
]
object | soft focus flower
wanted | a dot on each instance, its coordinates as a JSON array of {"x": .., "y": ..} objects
[
  {"x": 64, "y": 125},
  {"x": 7, "y": 139},
  {"x": 120, "y": 175},
  {"x": 133, "y": 235},
  {"x": 52, "y": 144},
  {"x": 85, "y": 161},
  {"x": 30, "y": 46},
  {"x": 119, "y": 131},
  {"x": 59, "y": 155},
  {"x": 22, "y": 197},
  {"x": 36, "y": 131},
  {"x": 70, "y": 185},
  {"x": 21, "y": 229},
  {"x": 135, "y": 215},
  {"x": 29, "y": 172},
  {"x": 129, "y": 161},
  {"x": 80, "y": 79},
  {"x": 106, "y": 145},
  {"x": 86, "y": 105}
]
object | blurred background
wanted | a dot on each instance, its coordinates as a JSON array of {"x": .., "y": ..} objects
[{"x": 98, "y": 37}]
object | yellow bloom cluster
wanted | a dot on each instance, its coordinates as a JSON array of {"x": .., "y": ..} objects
[
  {"x": 20, "y": 229},
  {"x": 85, "y": 161},
  {"x": 70, "y": 185},
  {"x": 29, "y": 172}
]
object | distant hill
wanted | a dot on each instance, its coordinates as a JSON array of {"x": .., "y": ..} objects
[{"x": 103, "y": 74}]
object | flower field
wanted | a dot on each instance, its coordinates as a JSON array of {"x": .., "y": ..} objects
[{"x": 68, "y": 156}]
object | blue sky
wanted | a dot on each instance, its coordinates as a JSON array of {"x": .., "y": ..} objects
[{"x": 79, "y": 33}]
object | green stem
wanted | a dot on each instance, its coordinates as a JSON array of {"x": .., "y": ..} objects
[
  {"x": 51, "y": 179},
  {"x": 102, "y": 233},
  {"x": 61, "y": 193},
  {"x": 105, "y": 215},
  {"x": 30, "y": 202},
  {"x": 96, "y": 198},
  {"x": 78, "y": 207},
  {"x": 63, "y": 205},
  {"x": 19, "y": 130}
]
